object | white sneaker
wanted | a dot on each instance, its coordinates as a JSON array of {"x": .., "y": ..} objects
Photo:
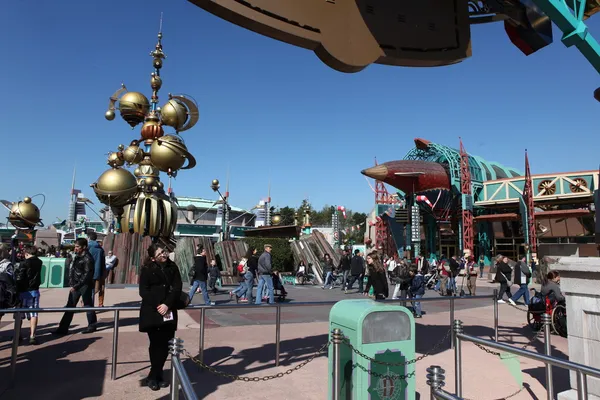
[
  {"x": 512, "y": 302},
  {"x": 501, "y": 302}
]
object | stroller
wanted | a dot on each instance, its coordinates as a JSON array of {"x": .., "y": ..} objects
[{"x": 431, "y": 278}]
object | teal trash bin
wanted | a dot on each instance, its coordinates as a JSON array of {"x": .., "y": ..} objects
[
  {"x": 44, "y": 273},
  {"x": 56, "y": 274},
  {"x": 385, "y": 334}
]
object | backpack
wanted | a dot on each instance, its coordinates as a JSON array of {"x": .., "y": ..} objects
[
  {"x": 9, "y": 297},
  {"x": 242, "y": 267}
]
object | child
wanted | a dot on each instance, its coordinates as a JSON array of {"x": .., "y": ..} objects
[
  {"x": 417, "y": 289},
  {"x": 213, "y": 274}
]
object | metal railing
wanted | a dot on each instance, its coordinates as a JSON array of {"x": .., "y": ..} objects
[
  {"x": 203, "y": 308},
  {"x": 581, "y": 370},
  {"x": 179, "y": 376}
]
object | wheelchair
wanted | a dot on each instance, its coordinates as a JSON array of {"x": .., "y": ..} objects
[{"x": 544, "y": 305}]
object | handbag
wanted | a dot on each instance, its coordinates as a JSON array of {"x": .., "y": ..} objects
[
  {"x": 509, "y": 283},
  {"x": 183, "y": 301}
]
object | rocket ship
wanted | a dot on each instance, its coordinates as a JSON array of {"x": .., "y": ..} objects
[{"x": 418, "y": 176}]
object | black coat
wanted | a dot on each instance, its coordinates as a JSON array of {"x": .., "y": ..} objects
[
  {"x": 159, "y": 285},
  {"x": 253, "y": 264},
  {"x": 503, "y": 268},
  {"x": 200, "y": 269},
  {"x": 345, "y": 262},
  {"x": 378, "y": 280},
  {"x": 29, "y": 275},
  {"x": 521, "y": 270},
  {"x": 81, "y": 272},
  {"x": 357, "y": 266}
]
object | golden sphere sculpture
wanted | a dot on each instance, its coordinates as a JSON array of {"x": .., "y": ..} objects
[
  {"x": 152, "y": 130},
  {"x": 115, "y": 187},
  {"x": 133, "y": 154},
  {"x": 214, "y": 185},
  {"x": 133, "y": 107},
  {"x": 276, "y": 220},
  {"x": 109, "y": 115},
  {"x": 169, "y": 154},
  {"x": 174, "y": 114},
  {"x": 24, "y": 214},
  {"x": 115, "y": 159}
]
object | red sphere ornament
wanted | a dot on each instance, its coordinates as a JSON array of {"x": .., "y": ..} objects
[{"x": 152, "y": 130}]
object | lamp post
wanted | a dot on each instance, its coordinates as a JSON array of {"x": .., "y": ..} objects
[{"x": 214, "y": 185}]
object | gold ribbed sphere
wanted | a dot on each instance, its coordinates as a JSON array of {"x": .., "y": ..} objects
[
  {"x": 133, "y": 154},
  {"x": 276, "y": 220},
  {"x": 169, "y": 154},
  {"x": 152, "y": 130},
  {"x": 174, "y": 114},
  {"x": 116, "y": 187},
  {"x": 133, "y": 107},
  {"x": 24, "y": 214}
]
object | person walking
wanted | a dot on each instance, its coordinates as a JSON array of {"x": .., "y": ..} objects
[
  {"x": 97, "y": 253},
  {"x": 521, "y": 277},
  {"x": 160, "y": 289},
  {"x": 200, "y": 276},
  {"x": 29, "y": 279},
  {"x": 344, "y": 266},
  {"x": 481, "y": 265},
  {"x": 417, "y": 290},
  {"x": 357, "y": 270},
  {"x": 265, "y": 269},
  {"x": 471, "y": 270},
  {"x": 81, "y": 281},
  {"x": 503, "y": 274},
  {"x": 377, "y": 278}
]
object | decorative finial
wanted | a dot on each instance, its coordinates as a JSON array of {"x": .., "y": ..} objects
[{"x": 158, "y": 55}]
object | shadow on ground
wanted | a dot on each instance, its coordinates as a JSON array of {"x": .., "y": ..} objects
[{"x": 47, "y": 367}]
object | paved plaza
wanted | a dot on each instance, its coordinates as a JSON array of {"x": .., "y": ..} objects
[{"x": 242, "y": 342}]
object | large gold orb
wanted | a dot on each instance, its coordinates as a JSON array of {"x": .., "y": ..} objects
[
  {"x": 133, "y": 107},
  {"x": 174, "y": 114},
  {"x": 169, "y": 154},
  {"x": 133, "y": 154},
  {"x": 24, "y": 214},
  {"x": 276, "y": 220},
  {"x": 153, "y": 214},
  {"x": 116, "y": 187}
]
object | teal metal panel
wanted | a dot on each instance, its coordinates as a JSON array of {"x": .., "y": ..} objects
[
  {"x": 491, "y": 189},
  {"x": 56, "y": 273},
  {"x": 513, "y": 193},
  {"x": 45, "y": 271}
]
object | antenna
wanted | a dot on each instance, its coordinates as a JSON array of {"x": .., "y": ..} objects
[{"x": 160, "y": 25}]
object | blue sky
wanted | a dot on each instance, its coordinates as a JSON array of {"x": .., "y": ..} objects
[{"x": 270, "y": 110}]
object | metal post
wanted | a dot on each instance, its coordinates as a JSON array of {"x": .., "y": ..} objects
[
  {"x": 176, "y": 345},
  {"x": 201, "y": 344},
  {"x": 435, "y": 379},
  {"x": 457, "y": 328},
  {"x": 495, "y": 315},
  {"x": 582, "y": 392},
  {"x": 277, "y": 333},
  {"x": 115, "y": 348},
  {"x": 336, "y": 340},
  {"x": 15, "y": 349},
  {"x": 546, "y": 319},
  {"x": 452, "y": 322}
]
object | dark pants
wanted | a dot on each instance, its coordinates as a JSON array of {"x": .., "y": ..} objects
[
  {"x": 504, "y": 289},
  {"x": 159, "y": 350},
  {"x": 86, "y": 294},
  {"x": 352, "y": 279}
]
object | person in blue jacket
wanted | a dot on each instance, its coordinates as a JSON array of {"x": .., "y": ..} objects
[
  {"x": 417, "y": 289},
  {"x": 99, "y": 257}
]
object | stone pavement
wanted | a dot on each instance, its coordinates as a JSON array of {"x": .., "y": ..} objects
[{"x": 241, "y": 342}]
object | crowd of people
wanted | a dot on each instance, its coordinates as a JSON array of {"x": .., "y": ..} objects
[{"x": 21, "y": 277}]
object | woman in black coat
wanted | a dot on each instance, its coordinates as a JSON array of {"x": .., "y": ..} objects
[
  {"x": 377, "y": 278},
  {"x": 503, "y": 273},
  {"x": 160, "y": 289}
]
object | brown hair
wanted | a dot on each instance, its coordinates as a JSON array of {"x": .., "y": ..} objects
[
  {"x": 378, "y": 266},
  {"x": 552, "y": 275}
]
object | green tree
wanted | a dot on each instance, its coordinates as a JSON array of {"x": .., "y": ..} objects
[
  {"x": 287, "y": 215},
  {"x": 281, "y": 252}
]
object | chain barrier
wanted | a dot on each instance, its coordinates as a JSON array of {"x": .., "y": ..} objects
[
  {"x": 392, "y": 377},
  {"x": 421, "y": 357},
  {"x": 506, "y": 397},
  {"x": 517, "y": 307},
  {"x": 256, "y": 378}
]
